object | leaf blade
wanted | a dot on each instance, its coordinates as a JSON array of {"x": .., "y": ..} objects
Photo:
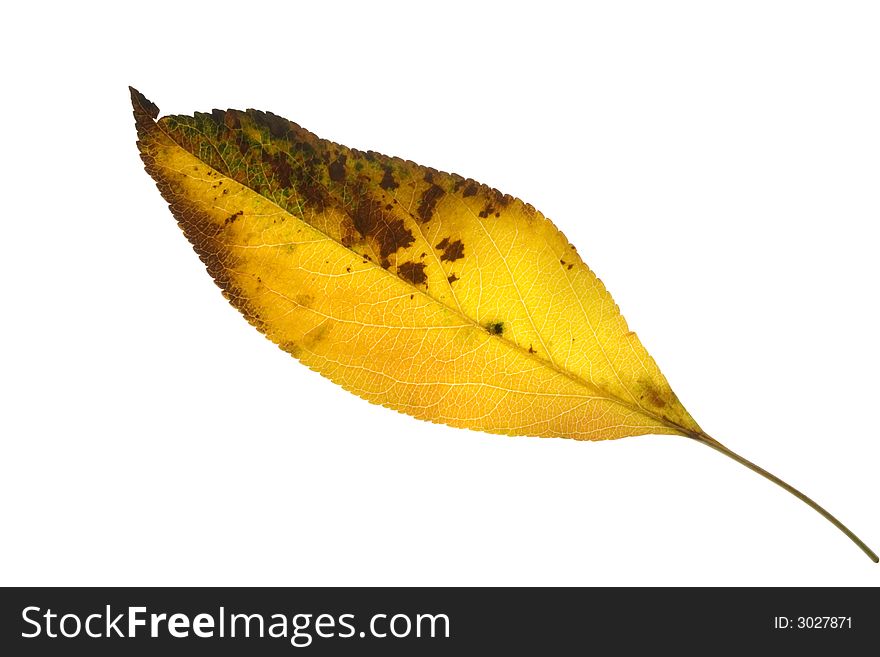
[{"x": 415, "y": 289}]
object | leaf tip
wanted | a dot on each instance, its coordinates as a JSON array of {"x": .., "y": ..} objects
[{"x": 141, "y": 103}]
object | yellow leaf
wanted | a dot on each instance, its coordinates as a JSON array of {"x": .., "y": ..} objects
[{"x": 416, "y": 289}]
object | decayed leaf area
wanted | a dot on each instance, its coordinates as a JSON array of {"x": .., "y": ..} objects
[{"x": 420, "y": 290}]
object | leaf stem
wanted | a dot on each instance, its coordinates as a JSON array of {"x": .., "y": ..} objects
[{"x": 718, "y": 447}]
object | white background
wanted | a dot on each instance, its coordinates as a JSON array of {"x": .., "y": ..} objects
[{"x": 717, "y": 164}]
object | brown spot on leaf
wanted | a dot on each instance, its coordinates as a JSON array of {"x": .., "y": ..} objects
[
  {"x": 310, "y": 189},
  {"x": 312, "y": 337},
  {"x": 650, "y": 394},
  {"x": 501, "y": 200},
  {"x": 429, "y": 201},
  {"x": 337, "y": 169},
  {"x": 281, "y": 169},
  {"x": 231, "y": 218},
  {"x": 388, "y": 182},
  {"x": 487, "y": 210},
  {"x": 292, "y": 348},
  {"x": 470, "y": 188},
  {"x": 371, "y": 221},
  {"x": 452, "y": 278},
  {"x": 452, "y": 251},
  {"x": 495, "y": 328},
  {"x": 279, "y": 127},
  {"x": 231, "y": 120},
  {"x": 414, "y": 272},
  {"x": 532, "y": 350}
]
